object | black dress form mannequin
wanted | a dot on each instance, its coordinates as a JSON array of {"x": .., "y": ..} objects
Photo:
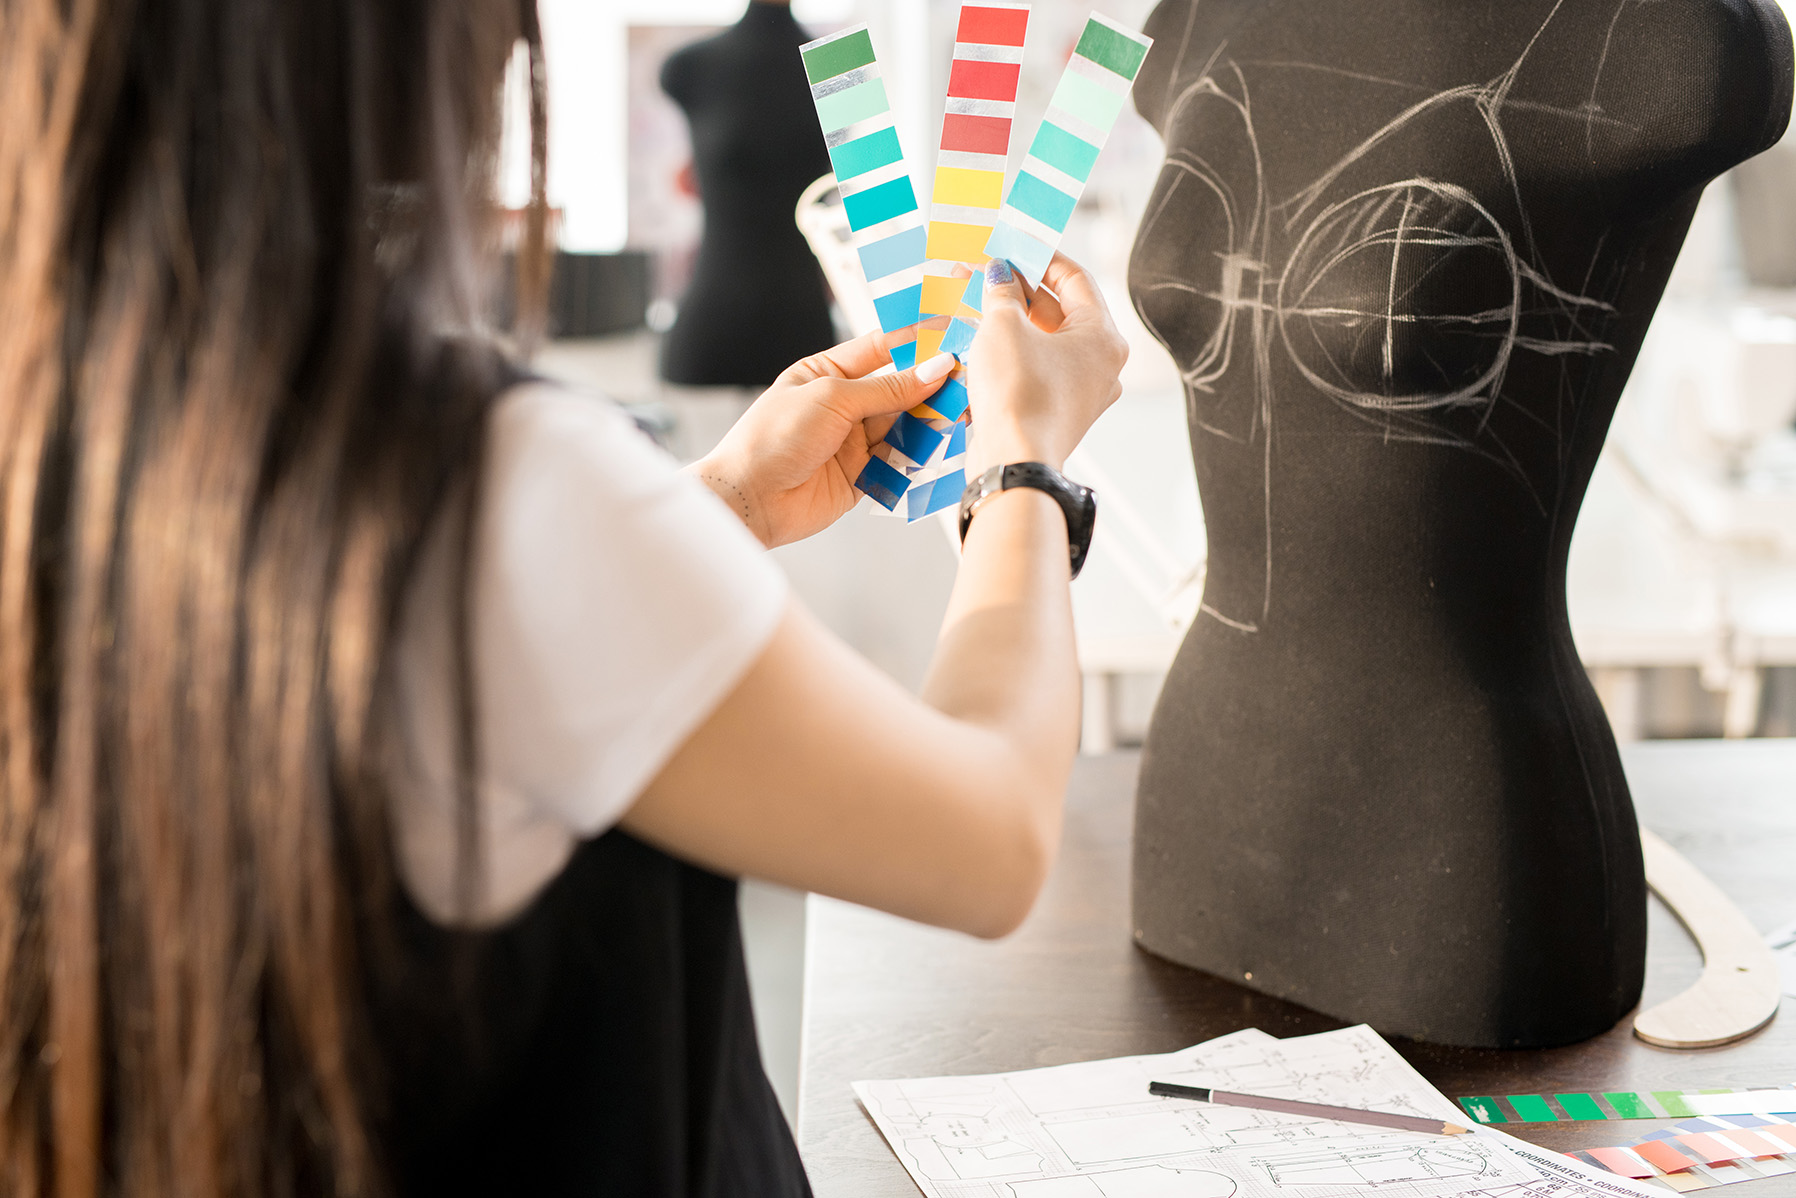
[
  {"x": 757, "y": 301},
  {"x": 1404, "y": 253}
]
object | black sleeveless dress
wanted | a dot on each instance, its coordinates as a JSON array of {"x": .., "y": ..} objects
[{"x": 601, "y": 1043}]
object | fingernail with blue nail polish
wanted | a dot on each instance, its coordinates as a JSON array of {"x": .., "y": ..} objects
[{"x": 997, "y": 273}]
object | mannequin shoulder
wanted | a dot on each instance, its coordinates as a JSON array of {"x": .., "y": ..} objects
[
  {"x": 1704, "y": 83},
  {"x": 1187, "y": 35},
  {"x": 684, "y": 71}
]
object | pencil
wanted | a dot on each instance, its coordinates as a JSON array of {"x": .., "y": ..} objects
[{"x": 1314, "y": 1109}]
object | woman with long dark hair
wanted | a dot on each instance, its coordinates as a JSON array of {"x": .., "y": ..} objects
[{"x": 380, "y": 729}]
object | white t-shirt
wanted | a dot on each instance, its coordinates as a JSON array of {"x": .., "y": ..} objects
[{"x": 616, "y": 603}]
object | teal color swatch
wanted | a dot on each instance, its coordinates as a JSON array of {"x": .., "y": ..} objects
[
  {"x": 863, "y": 154},
  {"x": 882, "y": 203},
  {"x": 1043, "y": 201},
  {"x": 1061, "y": 150}
]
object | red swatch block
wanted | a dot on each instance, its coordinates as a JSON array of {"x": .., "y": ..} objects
[
  {"x": 992, "y": 26},
  {"x": 975, "y": 134},
  {"x": 971, "y": 80},
  {"x": 1664, "y": 1156},
  {"x": 1780, "y": 1131},
  {"x": 1708, "y": 1148},
  {"x": 1619, "y": 1161}
]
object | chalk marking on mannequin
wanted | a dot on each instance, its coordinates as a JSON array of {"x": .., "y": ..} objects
[{"x": 1435, "y": 216}]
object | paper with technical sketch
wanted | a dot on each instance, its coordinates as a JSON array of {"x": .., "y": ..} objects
[{"x": 1091, "y": 1130}]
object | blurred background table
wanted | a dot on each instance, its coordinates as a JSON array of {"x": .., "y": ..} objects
[{"x": 886, "y": 998}]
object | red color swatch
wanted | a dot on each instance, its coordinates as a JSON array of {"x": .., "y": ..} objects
[
  {"x": 992, "y": 26},
  {"x": 970, "y": 80},
  {"x": 1780, "y": 1131},
  {"x": 1620, "y": 1162},
  {"x": 1659, "y": 1153},
  {"x": 975, "y": 134},
  {"x": 1708, "y": 1148}
]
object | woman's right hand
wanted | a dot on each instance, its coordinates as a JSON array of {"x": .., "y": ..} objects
[{"x": 1046, "y": 365}]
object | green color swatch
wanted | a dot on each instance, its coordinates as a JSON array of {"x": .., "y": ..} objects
[
  {"x": 1533, "y": 1108},
  {"x": 1484, "y": 1110},
  {"x": 1108, "y": 48},
  {"x": 1580, "y": 1106},
  {"x": 1629, "y": 1105},
  {"x": 833, "y": 58},
  {"x": 1673, "y": 1102}
]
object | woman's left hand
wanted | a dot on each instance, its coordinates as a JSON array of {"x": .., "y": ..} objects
[{"x": 788, "y": 466}]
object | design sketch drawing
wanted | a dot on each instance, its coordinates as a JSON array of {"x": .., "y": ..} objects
[
  {"x": 1092, "y": 1130},
  {"x": 1420, "y": 355}
]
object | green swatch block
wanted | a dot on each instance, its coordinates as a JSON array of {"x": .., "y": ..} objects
[
  {"x": 862, "y": 102},
  {"x": 1484, "y": 1110},
  {"x": 1532, "y": 1108},
  {"x": 1673, "y": 1102},
  {"x": 1630, "y": 1106},
  {"x": 1110, "y": 49},
  {"x": 1580, "y": 1106},
  {"x": 842, "y": 55},
  {"x": 1080, "y": 97}
]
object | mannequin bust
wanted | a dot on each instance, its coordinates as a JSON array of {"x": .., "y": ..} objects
[
  {"x": 1404, "y": 253},
  {"x": 757, "y": 302}
]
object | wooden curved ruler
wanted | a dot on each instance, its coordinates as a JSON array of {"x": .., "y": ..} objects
[{"x": 1739, "y": 989}]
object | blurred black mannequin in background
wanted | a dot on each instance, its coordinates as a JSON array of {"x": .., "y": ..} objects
[
  {"x": 1404, "y": 253},
  {"x": 757, "y": 301}
]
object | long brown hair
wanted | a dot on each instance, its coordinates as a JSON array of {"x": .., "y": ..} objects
[{"x": 244, "y": 247}]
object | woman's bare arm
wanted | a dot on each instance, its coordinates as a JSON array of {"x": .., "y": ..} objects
[{"x": 820, "y": 772}]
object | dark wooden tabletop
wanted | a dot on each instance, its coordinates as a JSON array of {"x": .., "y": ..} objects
[{"x": 886, "y": 999}]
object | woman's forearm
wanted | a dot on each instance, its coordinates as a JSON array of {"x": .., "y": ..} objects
[{"x": 1005, "y": 661}]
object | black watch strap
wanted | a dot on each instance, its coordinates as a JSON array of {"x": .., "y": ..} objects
[{"x": 1080, "y": 504}]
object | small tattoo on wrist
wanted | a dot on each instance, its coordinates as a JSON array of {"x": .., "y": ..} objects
[{"x": 714, "y": 481}]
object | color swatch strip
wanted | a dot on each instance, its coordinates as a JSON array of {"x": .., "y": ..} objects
[
  {"x": 1083, "y": 110},
  {"x": 930, "y": 440},
  {"x": 881, "y": 205},
  {"x": 1704, "y": 1152},
  {"x": 969, "y": 171},
  {"x": 1562, "y": 1108}
]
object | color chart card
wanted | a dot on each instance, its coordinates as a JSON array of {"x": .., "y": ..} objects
[
  {"x": 1080, "y": 116},
  {"x": 969, "y": 170},
  {"x": 968, "y": 191},
  {"x": 877, "y": 195}
]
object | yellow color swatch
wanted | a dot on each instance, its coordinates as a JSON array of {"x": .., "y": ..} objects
[
  {"x": 952, "y": 242},
  {"x": 968, "y": 189},
  {"x": 942, "y": 296},
  {"x": 929, "y": 342}
]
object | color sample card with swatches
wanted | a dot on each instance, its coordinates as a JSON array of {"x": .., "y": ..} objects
[
  {"x": 1625, "y": 1104},
  {"x": 926, "y": 278},
  {"x": 1704, "y": 1152}
]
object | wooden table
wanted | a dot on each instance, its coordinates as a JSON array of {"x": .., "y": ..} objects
[{"x": 887, "y": 999}]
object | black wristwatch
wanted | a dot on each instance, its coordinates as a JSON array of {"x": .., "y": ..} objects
[{"x": 1079, "y": 503}]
